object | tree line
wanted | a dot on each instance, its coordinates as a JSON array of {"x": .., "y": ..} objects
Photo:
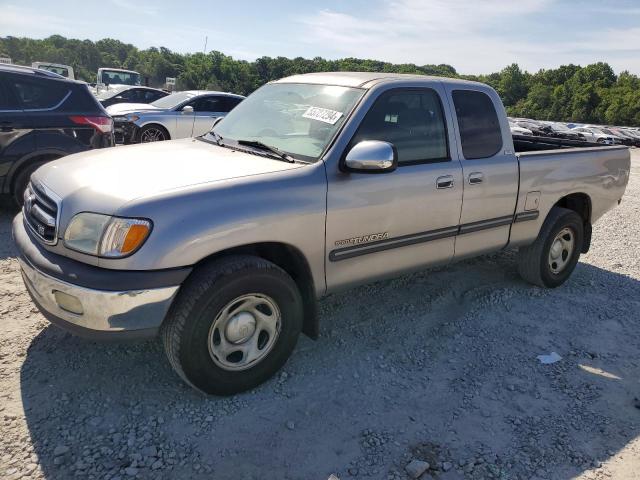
[{"x": 572, "y": 93}]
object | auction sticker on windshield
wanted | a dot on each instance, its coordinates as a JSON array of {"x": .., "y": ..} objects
[{"x": 322, "y": 115}]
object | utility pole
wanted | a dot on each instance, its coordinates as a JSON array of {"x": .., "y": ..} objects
[{"x": 205, "y": 44}]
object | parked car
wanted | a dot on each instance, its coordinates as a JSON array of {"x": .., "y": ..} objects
[
  {"x": 536, "y": 128},
  {"x": 594, "y": 135},
  {"x": 179, "y": 115},
  {"x": 222, "y": 244},
  {"x": 63, "y": 70},
  {"x": 516, "y": 130},
  {"x": 626, "y": 138},
  {"x": 128, "y": 94},
  {"x": 44, "y": 116},
  {"x": 562, "y": 131}
]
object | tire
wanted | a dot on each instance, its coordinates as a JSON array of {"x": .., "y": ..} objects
[
  {"x": 190, "y": 331},
  {"x": 536, "y": 262},
  {"x": 153, "y": 133},
  {"x": 22, "y": 180}
]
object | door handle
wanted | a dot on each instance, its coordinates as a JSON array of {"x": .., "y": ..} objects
[
  {"x": 445, "y": 181},
  {"x": 475, "y": 178}
]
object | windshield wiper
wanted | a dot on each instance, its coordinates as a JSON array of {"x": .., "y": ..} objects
[{"x": 267, "y": 148}]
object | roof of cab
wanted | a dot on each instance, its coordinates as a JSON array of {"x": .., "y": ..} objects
[{"x": 363, "y": 79}]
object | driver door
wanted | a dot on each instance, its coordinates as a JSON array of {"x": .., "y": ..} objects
[{"x": 385, "y": 224}]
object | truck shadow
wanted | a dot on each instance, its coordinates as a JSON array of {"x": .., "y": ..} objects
[{"x": 446, "y": 357}]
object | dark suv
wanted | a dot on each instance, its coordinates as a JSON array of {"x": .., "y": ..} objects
[{"x": 44, "y": 116}]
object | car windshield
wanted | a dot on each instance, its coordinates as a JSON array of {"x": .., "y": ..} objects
[
  {"x": 117, "y": 77},
  {"x": 298, "y": 119},
  {"x": 52, "y": 68},
  {"x": 560, "y": 128},
  {"x": 173, "y": 100}
]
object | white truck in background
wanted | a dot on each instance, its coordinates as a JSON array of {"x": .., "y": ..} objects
[{"x": 64, "y": 70}]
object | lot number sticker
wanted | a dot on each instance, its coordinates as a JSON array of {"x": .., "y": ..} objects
[{"x": 322, "y": 115}]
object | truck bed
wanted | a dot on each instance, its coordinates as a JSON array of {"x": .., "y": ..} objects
[
  {"x": 598, "y": 172},
  {"x": 528, "y": 143}
]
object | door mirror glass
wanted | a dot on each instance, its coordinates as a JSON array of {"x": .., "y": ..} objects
[
  {"x": 187, "y": 109},
  {"x": 371, "y": 156}
]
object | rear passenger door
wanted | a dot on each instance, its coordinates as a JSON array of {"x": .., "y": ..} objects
[
  {"x": 385, "y": 224},
  {"x": 489, "y": 168}
]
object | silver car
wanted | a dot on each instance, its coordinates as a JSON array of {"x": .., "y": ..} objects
[{"x": 180, "y": 115}]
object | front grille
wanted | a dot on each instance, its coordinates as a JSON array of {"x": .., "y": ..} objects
[{"x": 41, "y": 209}]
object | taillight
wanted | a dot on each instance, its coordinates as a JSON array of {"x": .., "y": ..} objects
[{"x": 101, "y": 124}]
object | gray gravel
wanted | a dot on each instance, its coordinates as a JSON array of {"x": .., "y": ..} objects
[{"x": 437, "y": 367}]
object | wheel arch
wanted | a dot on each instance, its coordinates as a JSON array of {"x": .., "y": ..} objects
[
  {"x": 152, "y": 123},
  {"x": 28, "y": 160},
  {"x": 580, "y": 203},
  {"x": 292, "y": 261}
]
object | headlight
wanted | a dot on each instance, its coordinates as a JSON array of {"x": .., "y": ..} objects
[
  {"x": 106, "y": 236},
  {"x": 132, "y": 118}
]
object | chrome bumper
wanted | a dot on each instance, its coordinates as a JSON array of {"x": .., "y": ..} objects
[{"x": 98, "y": 311}]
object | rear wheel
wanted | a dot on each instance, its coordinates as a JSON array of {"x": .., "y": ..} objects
[
  {"x": 234, "y": 324},
  {"x": 551, "y": 259},
  {"x": 153, "y": 133}
]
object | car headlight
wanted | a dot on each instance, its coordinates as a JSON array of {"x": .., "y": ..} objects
[
  {"x": 106, "y": 236},
  {"x": 132, "y": 118}
]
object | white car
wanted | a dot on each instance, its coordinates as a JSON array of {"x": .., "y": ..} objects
[
  {"x": 593, "y": 135},
  {"x": 180, "y": 115}
]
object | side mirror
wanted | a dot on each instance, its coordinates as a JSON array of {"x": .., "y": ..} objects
[
  {"x": 187, "y": 109},
  {"x": 371, "y": 156}
]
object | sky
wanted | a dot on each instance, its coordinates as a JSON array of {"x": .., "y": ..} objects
[{"x": 475, "y": 37}]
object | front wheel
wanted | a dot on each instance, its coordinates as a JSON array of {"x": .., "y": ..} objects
[
  {"x": 233, "y": 325},
  {"x": 550, "y": 260},
  {"x": 153, "y": 133}
]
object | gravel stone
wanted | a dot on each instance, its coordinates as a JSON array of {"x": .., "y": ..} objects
[{"x": 415, "y": 468}]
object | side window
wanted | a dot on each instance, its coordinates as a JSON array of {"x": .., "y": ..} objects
[
  {"x": 230, "y": 103},
  {"x": 148, "y": 96},
  {"x": 33, "y": 94},
  {"x": 208, "y": 104},
  {"x": 412, "y": 120},
  {"x": 129, "y": 95},
  {"x": 478, "y": 123},
  {"x": 5, "y": 100}
]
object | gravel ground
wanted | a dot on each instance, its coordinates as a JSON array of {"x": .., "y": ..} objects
[{"x": 433, "y": 373}]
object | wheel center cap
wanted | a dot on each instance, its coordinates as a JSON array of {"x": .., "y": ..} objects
[
  {"x": 240, "y": 328},
  {"x": 556, "y": 249}
]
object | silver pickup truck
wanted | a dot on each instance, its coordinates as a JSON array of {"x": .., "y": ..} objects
[{"x": 222, "y": 244}]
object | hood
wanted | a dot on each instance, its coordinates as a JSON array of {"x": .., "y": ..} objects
[
  {"x": 124, "y": 108},
  {"x": 104, "y": 180}
]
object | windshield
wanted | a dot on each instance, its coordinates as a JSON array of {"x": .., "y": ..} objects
[
  {"x": 173, "y": 100},
  {"x": 52, "y": 68},
  {"x": 560, "y": 128},
  {"x": 117, "y": 77},
  {"x": 299, "y": 119}
]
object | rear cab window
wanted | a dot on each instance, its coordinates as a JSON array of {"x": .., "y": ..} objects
[{"x": 478, "y": 123}]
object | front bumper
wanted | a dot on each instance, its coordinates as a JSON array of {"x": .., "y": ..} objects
[
  {"x": 107, "y": 306},
  {"x": 124, "y": 132}
]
